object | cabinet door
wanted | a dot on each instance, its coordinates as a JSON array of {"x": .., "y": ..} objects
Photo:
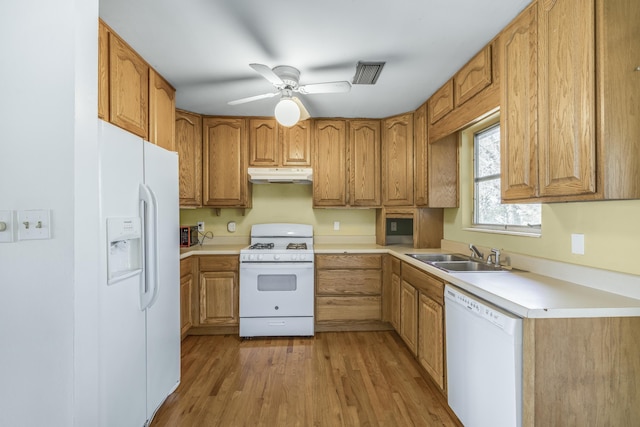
[
  {"x": 128, "y": 88},
  {"x": 103, "y": 71},
  {"x": 263, "y": 142},
  {"x": 566, "y": 84},
  {"x": 330, "y": 175},
  {"x": 409, "y": 315},
  {"x": 295, "y": 144},
  {"x": 518, "y": 119},
  {"x": 186, "y": 286},
  {"x": 219, "y": 298},
  {"x": 397, "y": 161},
  {"x": 441, "y": 102},
  {"x": 421, "y": 164},
  {"x": 431, "y": 338},
  {"x": 225, "y": 163},
  {"x": 364, "y": 161},
  {"x": 162, "y": 112},
  {"x": 395, "y": 301},
  {"x": 189, "y": 146},
  {"x": 473, "y": 77}
]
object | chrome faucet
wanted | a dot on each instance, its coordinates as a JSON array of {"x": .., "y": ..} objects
[
  {"x": 495, "y": 254},
  {"x": 475, "y": 252}
]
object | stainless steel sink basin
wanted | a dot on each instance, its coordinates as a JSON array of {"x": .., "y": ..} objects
[
  {"x": 466, "y": 266},
  {"x": 429, "y": 258}
]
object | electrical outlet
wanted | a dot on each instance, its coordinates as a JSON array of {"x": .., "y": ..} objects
[
  {"x": 394, "y": 226},
  {"x": 336, "y": 225},
  {"x": 201, "y": 226},
  {"x": 577, "y": 244}
]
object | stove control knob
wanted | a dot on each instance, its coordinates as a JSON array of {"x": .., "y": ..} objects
[
  {"x": 294, "y": 257},
  {"x": 303, "y": 257},
  {"x": 260, "y": 257},
  {"x": 276, "y": 257}
]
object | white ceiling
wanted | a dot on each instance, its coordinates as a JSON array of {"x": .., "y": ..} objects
[{"x": 204, "y": 47}]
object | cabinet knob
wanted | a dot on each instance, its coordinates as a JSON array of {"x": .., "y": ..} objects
[{"x": 637, "y": 68}]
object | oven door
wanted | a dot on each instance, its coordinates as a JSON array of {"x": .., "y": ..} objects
[{"x": 276, "y": 289}]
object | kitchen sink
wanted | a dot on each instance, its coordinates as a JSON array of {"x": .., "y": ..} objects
[
  {"x": 466, "y": 266},
  {"x": 429, "y": 258}
]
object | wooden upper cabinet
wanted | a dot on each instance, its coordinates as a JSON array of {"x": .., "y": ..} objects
[
  {"x": 442, "y": 172},
  {"x": 518, "y": 118},
  {"x": 189, "y": 147},
  {"x": 421, "y": 163},
  {"x": 473, "y": 77},
  {"x": 162, "y": 112},
  {"x": 128, "y": 88},
  {"x": 295, "y": 144},
  {"x": 618, "y": 37},
  {"x": 364, "y": 163},
  {"x": 397, "y": 161},
  {"x": 566, "y": 97},
  {"x": 329, "y": 170},
  {"x": 103, "y": 71},
  {"x": 441, "y": 102},
  {"x": 225, "y": 182},
  {"x": 263, "y": 142},
  {"x": 272, "y": 145}
]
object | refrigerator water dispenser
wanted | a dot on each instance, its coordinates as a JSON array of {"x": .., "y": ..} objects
[{"x": 124, "y": 256}]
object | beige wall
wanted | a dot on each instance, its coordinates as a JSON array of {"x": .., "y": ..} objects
[{"x": 284, "y": 203}]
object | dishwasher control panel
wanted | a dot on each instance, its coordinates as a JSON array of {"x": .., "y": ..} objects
[{"x": 492, "y": 314}]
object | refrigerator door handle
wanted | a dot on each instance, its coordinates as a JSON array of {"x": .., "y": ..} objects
[{"x": 149, "y": 215}]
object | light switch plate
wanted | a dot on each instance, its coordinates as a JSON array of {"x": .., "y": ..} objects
[
  {"x": 34, "y": 224},
  {"x": 7, "y": 230}
]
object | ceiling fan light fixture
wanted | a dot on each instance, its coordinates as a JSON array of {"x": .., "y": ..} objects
[{"x": 287, "y": 112}]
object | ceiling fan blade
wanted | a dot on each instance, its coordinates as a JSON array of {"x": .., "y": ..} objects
[
  {"x": 304, "y": 114},
  {"x": 253, "y": 98},
  {"x": 330, "y": 87},
  {"x": 267, "y": 73}
]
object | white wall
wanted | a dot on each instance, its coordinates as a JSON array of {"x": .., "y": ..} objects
[{"x": 48, "y": 50}]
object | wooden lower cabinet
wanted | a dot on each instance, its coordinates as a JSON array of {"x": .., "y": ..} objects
[
  {"x": 582, "y": 371},
  {"x": 218, "y": 290},
  {"x": 186, "y": 290},
  {"x": 348, "y": 291},
  {"x": 394, "y": 294},
  {"x": 431, "y": 338},
  {"x": 422, "y": 319},
  {"x": 409, "y": 316}
]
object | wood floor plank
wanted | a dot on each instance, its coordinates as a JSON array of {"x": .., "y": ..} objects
[{"x": 333, "y": 379}]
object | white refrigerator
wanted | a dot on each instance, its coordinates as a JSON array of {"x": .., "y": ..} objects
[{"x": 139, "y": 319}]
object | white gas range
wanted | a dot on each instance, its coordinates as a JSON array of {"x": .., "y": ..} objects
[{"x": 277, "y": 281}]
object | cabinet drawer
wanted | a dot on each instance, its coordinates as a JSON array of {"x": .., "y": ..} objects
[
  {"x": 186, "y": 266},
  {"x": 347, "y": 261},
  {"x": 348, "y": 308},
  {"x": 349, "y": 282},
  {"x": 219, "y": 263},
  {"x": 427, "y": 284}
]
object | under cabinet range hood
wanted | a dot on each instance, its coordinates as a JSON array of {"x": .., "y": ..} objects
[{"x": 281, "y": 175}]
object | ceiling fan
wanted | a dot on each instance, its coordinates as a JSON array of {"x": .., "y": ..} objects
[{"x": 286, "y": 80}]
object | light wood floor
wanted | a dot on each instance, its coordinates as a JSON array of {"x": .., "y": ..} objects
[{"x": 332, "y": 379}]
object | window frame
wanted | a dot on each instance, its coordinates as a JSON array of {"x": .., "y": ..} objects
[{"x": 534, "y": 230}]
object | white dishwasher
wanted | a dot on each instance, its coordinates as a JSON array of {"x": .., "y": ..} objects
[{"x": 484, "y": 361}]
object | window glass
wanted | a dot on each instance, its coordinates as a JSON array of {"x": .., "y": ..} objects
[{"x": 489, "y": 211}]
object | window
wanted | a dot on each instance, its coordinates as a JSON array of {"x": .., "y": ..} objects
[{"x": 488, "y": 210}]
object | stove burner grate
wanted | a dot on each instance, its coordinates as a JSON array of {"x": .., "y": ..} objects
[
  {"x": 261, "y": 246},
  {"x": 297, "y": 246}
]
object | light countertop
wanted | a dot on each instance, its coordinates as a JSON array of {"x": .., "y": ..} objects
[{"x": 526, "y": 294}]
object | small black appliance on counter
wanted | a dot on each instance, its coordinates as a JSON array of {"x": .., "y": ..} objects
[{"x": 188, "y": 236}]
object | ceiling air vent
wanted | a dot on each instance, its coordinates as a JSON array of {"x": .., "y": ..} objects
[{"x": 367, "y": 73}]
